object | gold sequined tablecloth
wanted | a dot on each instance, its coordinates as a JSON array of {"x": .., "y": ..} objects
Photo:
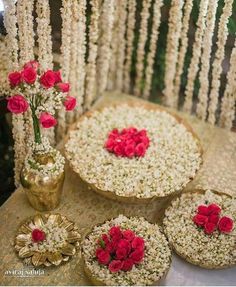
[{"x": 87, "y": 208}]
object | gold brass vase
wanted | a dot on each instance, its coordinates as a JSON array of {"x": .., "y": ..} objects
[{"x": 43, "y": 191}]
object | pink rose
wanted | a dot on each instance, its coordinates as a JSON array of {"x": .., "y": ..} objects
[
  {"x": 138, "y": 243},
  {"x": 209, "y": 227},
  {"x": 70, "y": 103},
  {"x": 47, "y": 80},
  {"x": 14, "y": 79},
  {"x": 140, "y": 150},
  {"x": 115, "y": 266},
  {"x": 103, "y": 257},
  {"x": 123, "y": 243},
  {"x": 38, "y": 235},
  {"x": 32, "y": 64},
  {"x": 129, "y": 150},
  {"x": 121, "y": 253},
  {"x": 128, "y": 234},
  {"x": 200, "y": 220},
  {"x": 63, "y": 87},
  {"x": 29, "y": 75},
  {"x": 128, "y": 264},
  {"x": 17, "y": 104},
  {"x": 226, "y": 224},
  {"x": 137, "y": 256},
  {"x": 57, "y": 75},
  {"x": 47, "y": 120},
  {"x": 105, "y": 238}
]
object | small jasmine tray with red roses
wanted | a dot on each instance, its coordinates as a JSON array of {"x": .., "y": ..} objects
[
  {"x": 126, "y": 251},
  {"x": 200, "y": 226}
]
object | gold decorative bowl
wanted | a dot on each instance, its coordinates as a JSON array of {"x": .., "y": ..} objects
[
  {"x": 111, "y": 194},
  {"x": 212, "y": 251},
  {"x": 61, "y": 242}
]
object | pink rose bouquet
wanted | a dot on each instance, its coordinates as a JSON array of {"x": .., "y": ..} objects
[{"x": 43, "y": 93}]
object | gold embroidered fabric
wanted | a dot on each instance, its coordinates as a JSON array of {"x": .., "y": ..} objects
[{"x": 87, "y": 208}]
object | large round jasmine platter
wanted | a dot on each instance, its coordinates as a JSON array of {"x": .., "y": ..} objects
[{"x": 133, "y": 152}]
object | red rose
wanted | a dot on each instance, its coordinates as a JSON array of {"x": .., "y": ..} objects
[
  {"x": 213, "y": 218},
  {"x": 105, "y": 238},
  {"x": 63, "y": 87},
  {"x": 200, "y": 220},
  {"x": 209, "y": 227},
  {"x": 47, "y": 120},
  {"x": 130, "y": 150},
  {"x": 127, "y": 264},
  {"x": 14, "y": 79},
  {"x": 123, "y": 243},
  {"x": 137, "y": 256},
  {"x": 140, "y": 150},
  {"x": 225, "y": 224},
  {"x": 17, "y": 104},
  {"x": 128, "y": 234},
  {"x": 213, "y": 209},
  {"x": 114, "y": 133},
  {"x": 70, "y": 103},
  {"x": 29, "y": 75},
  {"x": 47, "y": 80},
  {"x": 38, "y": 235},
  {"x": 121, "y": 253},
  {"x": 202, "y": 209},
  {"x": 103, "y": 257},
  {"x": 145, "y": 141},
  {"x": 109, "y": 145},
  {"x": 57, "y": 75},
  {"x": 115, "y": 231},
  {"x": 138, "y": 243},
  {"x": 115, "y": 266},
  {"x": 118, "y": 150},
  {"x": 32, "y": 64}
]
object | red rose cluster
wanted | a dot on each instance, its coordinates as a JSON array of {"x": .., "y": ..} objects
[
  {"x": 128, "y": 143},
  {"x": 38, "y": 235},
  {"x": 120, "y": 249},
  {"x": 208, "y": 217},
  {"x": 50, "y": 79}
]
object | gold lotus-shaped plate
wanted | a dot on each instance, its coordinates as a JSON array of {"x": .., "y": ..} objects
[{"x": 46, "y": 258}]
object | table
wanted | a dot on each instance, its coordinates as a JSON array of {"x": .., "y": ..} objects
[{"x": 87, "y": 208}]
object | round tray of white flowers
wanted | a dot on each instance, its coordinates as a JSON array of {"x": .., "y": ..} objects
[
  {"x": 200, "y": 226},
  {"x": 133, "y": 152},
  {"x": 126, "y": 251}
]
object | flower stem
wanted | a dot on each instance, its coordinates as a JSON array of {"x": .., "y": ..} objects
[{"x": 37, "y": 133}]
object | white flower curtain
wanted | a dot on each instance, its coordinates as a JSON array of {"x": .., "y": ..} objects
[{"x": 119, "y": 52}]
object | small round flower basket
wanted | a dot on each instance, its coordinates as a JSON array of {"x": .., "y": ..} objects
[
  {"x": 126, "y": 251},
  {"x": 48, "y": 239},
  {"x": 134, "y": 153},
  {"x": 200, "y": 226}
]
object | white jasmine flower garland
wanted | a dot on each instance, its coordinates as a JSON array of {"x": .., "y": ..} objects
[
  {"x": 192, "y": 243},
  {"x": 156, "y": 262},
  {"x": 171, "y": 160}
]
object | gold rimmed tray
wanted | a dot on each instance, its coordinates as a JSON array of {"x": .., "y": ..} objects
[
  {"x": 111, "y": 194},
  {"x": 192, "y": 257},
  {"x": 56, "y": 248}
]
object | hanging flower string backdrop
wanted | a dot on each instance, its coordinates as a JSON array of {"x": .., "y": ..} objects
[{"x": 42, "y": 93}]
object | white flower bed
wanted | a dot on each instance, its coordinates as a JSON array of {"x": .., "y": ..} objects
[
  {"x": 217, "y": 250},
  {"x": 170, "y": 162},
  {"x": 156, "y": 261}
]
